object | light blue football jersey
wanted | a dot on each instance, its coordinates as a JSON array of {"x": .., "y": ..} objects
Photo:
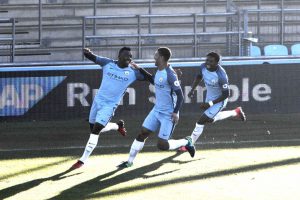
[
  {"x": 115, "y": 81},
  {"x": 215, "y": 82},
  {"x": 166, "y": 82}
]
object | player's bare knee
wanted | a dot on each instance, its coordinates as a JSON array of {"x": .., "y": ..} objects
[
  {"x": 204, "y": 120},
  {"x": 97, "y": 128},
  {"x": 143, "y": 135},
  {"x": 163, "y": 145},
  {"x": 91, "y": 127}
]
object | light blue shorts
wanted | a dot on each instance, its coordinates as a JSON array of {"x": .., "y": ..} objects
[
  {"x": 157, "y": 120},
  {"x": 101, "y": 112},
  {"x": 212, "y": 111}
]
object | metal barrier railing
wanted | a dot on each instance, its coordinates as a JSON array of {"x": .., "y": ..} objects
[
  {"x": 12, "y": 39},
  {"x": 242, "y": 28},
  {"x": 139, "y": 35},
  {"x": 279, "y": 22}
]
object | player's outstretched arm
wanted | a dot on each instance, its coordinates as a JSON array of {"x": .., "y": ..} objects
[
  {"x": 102, "y": 61},
  {"x": 148, "y": 76},
  {"x": 196, "y": 82},
  {"x": 89, "y": 55}
]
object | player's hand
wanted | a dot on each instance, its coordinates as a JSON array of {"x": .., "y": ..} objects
[
  {"x": 191, "y": 94},
  {"x": 204, "y": 106},
  {"x": 134, "y": 65},
  {"x": 87, "y": 51},
  {"x": 178, "y": 72},
  {"x": 175, "y": 118}
]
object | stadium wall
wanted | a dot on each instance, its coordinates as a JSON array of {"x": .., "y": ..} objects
[{"x": 66, "y": 92}]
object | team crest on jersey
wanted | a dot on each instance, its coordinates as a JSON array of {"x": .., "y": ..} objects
[
  {"x": 126, "y": 73},
  {"x": 160, "y": 79}
]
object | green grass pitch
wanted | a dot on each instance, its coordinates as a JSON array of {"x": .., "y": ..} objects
[{"x": 243, "y": 173}]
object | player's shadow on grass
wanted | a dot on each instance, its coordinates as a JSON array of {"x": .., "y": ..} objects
[
  {"x": 214, "y": 174},
  {"x": 13, "y": 190},
  {"x": 86, "y": 189},
  {"x": 34, "y": 169}
]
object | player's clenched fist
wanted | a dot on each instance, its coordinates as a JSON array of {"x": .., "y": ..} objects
[
  {"x": 191, "y": 94},
  {"x": 204, "y": 106},
  {"x": 87, "y": 51},
  {"x": 175, "y": 118},
  {"x": 178, "y": 72},
  {"x": 134, "y": 65}
]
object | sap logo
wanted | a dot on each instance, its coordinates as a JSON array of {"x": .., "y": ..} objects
[{"x": 18, "y": 95}]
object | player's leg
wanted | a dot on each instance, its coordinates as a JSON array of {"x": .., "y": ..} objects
[
  {"x": 99, "y": 121},
  {"x": 118, "y": 126},
  {"x": 138, "y": 144},
  {"x": 136, "y": 147},
  {"x": 165, "y": 133},
  {"x": 221, "y": 115},
  {"x": 238, "y": 112},
  {"x": 92, "y": 115},
  {"x": 150, "y": 125},
  {"x": 92, "y": 142},
  {"x": 91, "y": 126},
  {"x": 198, "y": 130},
  {"x": 207, "y": 117}
]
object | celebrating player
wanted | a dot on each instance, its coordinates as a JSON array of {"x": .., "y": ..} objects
[
  {"x": 165, "y": 114},
  {"x": 216, "y": 83},
  {"x": 117, "y": 76}
]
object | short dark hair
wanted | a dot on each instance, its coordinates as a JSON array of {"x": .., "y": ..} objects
[
  {"x": 215, "y": 55},
  {"x": 165, "y": 52},
  {"x": 124, "y": 49}
]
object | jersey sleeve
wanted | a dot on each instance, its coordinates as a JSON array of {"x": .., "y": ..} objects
[
  {"x": 173, "y": 80},
  {"x": 139, "y": 76},
  {"x": 175, "y": 85},
  {"x": 102, "y": 61},
  {"x": 223, "y": 79},
  {"x": 202, "y": 66}
]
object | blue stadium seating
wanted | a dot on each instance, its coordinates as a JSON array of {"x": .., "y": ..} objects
[
  {"x": 295, "y": 50},
  {"x": 255, "y": 51},
  {"x": 276, "y": 50}
]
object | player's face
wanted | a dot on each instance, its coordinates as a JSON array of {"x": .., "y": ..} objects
[
  {"x": 210, "y": 62},
  {"x": 125, "y": 58},
  {"x": 158, "y": 58}
]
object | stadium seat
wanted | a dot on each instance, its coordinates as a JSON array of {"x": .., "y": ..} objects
[
  {"x": 276, "y": 50},
  {"x": 255, "y": 51},
  {"x": 295, "y": 50}
]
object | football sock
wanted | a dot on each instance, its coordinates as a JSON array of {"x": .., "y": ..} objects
[
  {"x": 90, "y": 146},
  {"x": 136, "y": 147},
  {"x": 175, "y": 144},
  {"x": 224, "y": 115},
  {"x": 110, "y": 126},
  {"x": 197, "y": 132}
]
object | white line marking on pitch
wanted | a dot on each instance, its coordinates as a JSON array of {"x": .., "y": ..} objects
[{"x": 152, "y": 145}]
